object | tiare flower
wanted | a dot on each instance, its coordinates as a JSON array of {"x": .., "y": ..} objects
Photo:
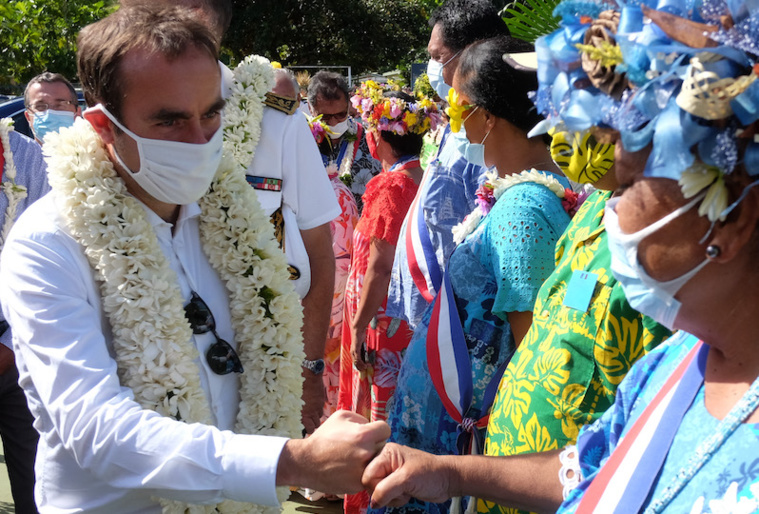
[{"x": 455, "y": 110}]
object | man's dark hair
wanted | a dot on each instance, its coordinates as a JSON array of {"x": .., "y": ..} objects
[
  {"x": 219, "y": 12},
  {"x": 462, "y": 22},
  {"x": 102, "y": 46},
  {"x": 327, "y": 85},
  {"x": 49, "y": 78}
]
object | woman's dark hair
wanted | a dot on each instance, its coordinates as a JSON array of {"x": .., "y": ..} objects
[
  {"x": 496, "y": 86},
  {"x": 408, "y": 144}
]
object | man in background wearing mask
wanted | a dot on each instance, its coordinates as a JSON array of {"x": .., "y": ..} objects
[
  {"x": 51, "y": 103},
  {"x": 130, "y": 329},
  {"x": 347, "y": 147},
  {"x": 447, "y": 193}
]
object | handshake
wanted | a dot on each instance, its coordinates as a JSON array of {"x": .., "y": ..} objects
[{"x": 347, "y": 454}]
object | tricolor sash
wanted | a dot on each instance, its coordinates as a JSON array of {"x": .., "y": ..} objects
[
  {"x": 422, "y": 260},
  {"x": 628, "y": 476},
  {"x": 451, "y": 374},
  {"x": 451, "y": 370}
]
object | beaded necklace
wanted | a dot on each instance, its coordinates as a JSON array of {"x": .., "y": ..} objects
[{"x": 745, "y": 406}]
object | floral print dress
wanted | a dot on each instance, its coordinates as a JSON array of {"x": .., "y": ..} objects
[
  {"x": 342, "y": 245},
  {"x": 387, "y": 199},
  {"x": 497, "y": 269}
]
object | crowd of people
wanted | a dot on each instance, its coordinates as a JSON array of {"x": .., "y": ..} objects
[{"x": 221, "y": 284}]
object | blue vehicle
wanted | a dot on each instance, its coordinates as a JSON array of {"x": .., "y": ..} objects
[{"x": 13, "y": 107}]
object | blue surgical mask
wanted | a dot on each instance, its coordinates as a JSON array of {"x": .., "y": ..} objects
[
  {"x": 474, "y": 153},
  {"x": 51, "y": 121},
  {"x": 435, "y": 74},
  {"x": 645, "y": 294}
]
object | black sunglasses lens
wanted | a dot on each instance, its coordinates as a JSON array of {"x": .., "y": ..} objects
[
  {"x": 199, "y": 315},
  {"x": 222, "y": 358}
]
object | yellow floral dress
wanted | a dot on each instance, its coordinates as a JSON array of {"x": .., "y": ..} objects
[{"x": 566, "y": 371}]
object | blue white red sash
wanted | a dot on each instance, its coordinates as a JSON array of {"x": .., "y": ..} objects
[
  {"x": 422, "y": 260},
  {"x": 628, "y": 476},
  {"x": 451, "y": 370}
]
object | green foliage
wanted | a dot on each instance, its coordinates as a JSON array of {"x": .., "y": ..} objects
[
  {"x": 530, "y": 19},
  {"x": 40, "y": 35},
  {"x": 423, "y": 89},
  {"x": 368, "y": 35}
]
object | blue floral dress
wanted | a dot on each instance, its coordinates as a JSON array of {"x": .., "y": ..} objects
[
  {"x": 728, "y": 482},
  {"x": 498, "y": 269}
]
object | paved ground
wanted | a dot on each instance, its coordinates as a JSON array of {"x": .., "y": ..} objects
[{"x": 296, "y": 504}]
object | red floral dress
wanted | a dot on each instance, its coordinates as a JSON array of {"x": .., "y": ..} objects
[
  {"x": 342, "y": 244},
  {"x": 387, "y": 198}
]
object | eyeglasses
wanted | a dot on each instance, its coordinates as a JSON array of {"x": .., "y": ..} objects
[
  {"x": 338, "y": 116},
  {"x": 221, "y": 357},
  {"x": 59, "y": 105}
]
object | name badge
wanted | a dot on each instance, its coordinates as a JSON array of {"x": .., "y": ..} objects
[{"x": 580, "y": 290}]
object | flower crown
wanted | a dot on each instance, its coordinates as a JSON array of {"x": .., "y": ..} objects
[
  {"x": 679, "y": 76},
  {"x": 394, "y": 114}
]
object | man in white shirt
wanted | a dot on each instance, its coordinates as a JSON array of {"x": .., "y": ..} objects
[
  {"x": 97, "y": 316},
  {"x": 305, "y": 199}
]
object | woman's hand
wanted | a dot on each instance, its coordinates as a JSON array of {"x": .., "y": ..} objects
[{"x": 358, "y": 348}]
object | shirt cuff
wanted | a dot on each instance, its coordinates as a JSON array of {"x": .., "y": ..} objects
[{"x": 250, "y": 468}]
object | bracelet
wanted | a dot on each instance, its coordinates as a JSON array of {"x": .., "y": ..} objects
[{"x": 570, "y": 474}]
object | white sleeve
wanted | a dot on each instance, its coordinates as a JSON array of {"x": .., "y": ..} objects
[
  {"x": 71, "y": 381},
  {"x": 306, "y": 186}
]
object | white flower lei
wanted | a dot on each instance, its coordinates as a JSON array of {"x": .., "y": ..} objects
[
  {"x": 345, "y": 166},
  {"x": 501, "y": 184},
  {"x": 14, "y": 192},
  {"x": 156, "y": 357}
]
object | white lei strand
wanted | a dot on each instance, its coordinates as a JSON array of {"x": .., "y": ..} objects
[
  {"x": 14, "y": 192},
  {"x": 347, "y": 164},
  {"x": 501, "y": 184},
  {"x": 156, "y": 357}
]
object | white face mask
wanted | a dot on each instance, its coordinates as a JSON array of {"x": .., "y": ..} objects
[
  {"x": 435, "y": 75},
  {"x": 170, "y": 171},
  {"x": 647, "y": 295},
  {"x": 340, "y": 128}
]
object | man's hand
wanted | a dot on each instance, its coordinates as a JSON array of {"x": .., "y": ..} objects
[
  {"x": 7, "y": 359},
  {"x": 399, "y": 473},
  {"x": 313, "y": 401},
  {"x": 333, "y": 458}
]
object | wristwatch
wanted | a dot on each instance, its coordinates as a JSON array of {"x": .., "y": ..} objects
[{"x": 315, "y": 366}]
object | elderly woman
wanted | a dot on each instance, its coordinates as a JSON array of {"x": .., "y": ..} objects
[
  {"x": 506, "y": 252},
  {"x": 684, "y": 237}
]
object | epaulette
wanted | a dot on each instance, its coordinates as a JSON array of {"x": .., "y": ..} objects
[{"x": 284, "y": 104}]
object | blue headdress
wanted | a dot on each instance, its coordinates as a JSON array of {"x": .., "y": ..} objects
[{"x": 681, "y": 74}]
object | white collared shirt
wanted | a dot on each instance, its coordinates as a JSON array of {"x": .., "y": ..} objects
[{"x": 99, "y": 451}]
